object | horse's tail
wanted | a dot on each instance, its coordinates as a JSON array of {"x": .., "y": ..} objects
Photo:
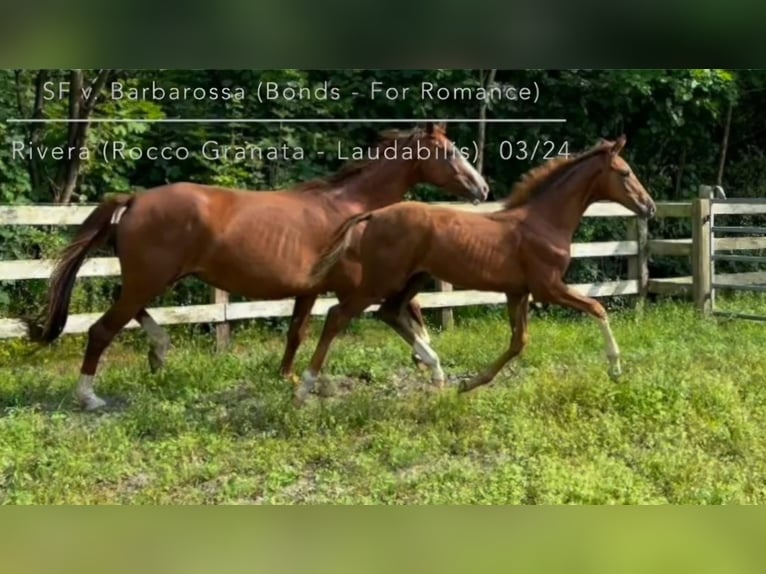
[
  {"x": 329, "y": 257},
  {"x": 94, "y": 232}
]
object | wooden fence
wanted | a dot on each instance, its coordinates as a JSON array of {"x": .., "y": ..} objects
[
  {"x": 636, "y": 246},
  {"x": 703, "y": 246}
]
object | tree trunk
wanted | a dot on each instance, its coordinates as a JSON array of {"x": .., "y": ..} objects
[
  {"x": 481, "y": 136},
  {"x": 724, "y": 144},
  {"x": 680, "y": 174},
  {"x": 80, "y": 108},
  {"x": 35, "y": 130}
]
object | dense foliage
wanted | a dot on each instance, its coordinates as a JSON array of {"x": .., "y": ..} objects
[{"x": 675, "y": 122}]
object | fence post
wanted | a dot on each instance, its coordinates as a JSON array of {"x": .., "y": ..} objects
[
  {"x": 446, "y": 317},
  {"x": 701, "y": 251},
  {"x": 638, "y": 265},
  {"x": 222, "y": 330},
  {"x": 708, "y": 192}
]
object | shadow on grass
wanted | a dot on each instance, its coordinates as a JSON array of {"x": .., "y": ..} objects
[
  {"x": 251, "y": 410},
  {"x": 51, "y": 400}
]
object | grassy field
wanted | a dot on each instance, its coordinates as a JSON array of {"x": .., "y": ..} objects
[{"x": 686, "y": 424}]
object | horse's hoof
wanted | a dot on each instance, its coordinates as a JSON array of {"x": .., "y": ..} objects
[
  {"x": 92, "y": 403},
  {"x": 286, "y": 373},
  {"x": 615, "y": 373},
  {"x": 439, "y": 382},
  {"x": 293, "y": 378},
  {"x": 419, "y": 364},
  {"x": 156, "y": 361}
]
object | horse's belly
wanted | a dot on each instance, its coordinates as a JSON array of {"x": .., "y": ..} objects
[
  {"x": 478, "y": 273},
  {"x": 257, "y": 275}
]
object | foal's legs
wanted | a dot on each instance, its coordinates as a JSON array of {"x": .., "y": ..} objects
[
  {"x": 420, "y": 348},
  {"x": 395, "y": 312},
  {"x": 159, "y": 341},
  {"x": 567, "y": 297},
  {"x": 413, "y": 314},
  {"x": 518, "y": 315},
  {"x": 297, "y": 332},
  {"x": 338, "y": 317}
]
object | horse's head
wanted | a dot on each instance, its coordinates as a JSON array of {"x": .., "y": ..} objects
[
  {"x": 441, "y": 163},
  {"x": 621, "y": 185}
]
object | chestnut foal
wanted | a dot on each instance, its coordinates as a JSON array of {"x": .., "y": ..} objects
[{"x": 520, "y": 250}]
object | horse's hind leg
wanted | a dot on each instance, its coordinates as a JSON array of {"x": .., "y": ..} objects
[
  {"x": 130, "y": 303},
  {"x": 414, "y": 315},
  {"x": 100, "y": 335},
  {"x": 396, "y": 312},
  {"x": 401, "y": 324},
  {"x": 159, "y": 340}
]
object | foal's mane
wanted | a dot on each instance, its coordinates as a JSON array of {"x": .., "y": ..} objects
[
  {"x": 352, "y": 168},
  {"x": 540, "y": 179}
]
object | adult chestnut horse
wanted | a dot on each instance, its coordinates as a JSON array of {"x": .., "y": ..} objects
[
  {"x": 519, "y": 250},
  {"x": 259, "y": 245}
]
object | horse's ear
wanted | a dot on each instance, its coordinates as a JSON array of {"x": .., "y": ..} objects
[
  {"x": 618, "y": 145},
  {"x": 432, "y": 127}
]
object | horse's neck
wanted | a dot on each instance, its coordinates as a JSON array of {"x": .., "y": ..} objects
[
  {"x": 564, "y": 208},
  {"x": 381, "y": 184}
]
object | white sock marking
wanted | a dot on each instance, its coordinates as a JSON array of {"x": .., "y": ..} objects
[
  {"x": 612, "y": 349},
  {"x": 308, "y": 379},
  {"x": 159, "y": 338},
  {"x": 429, "y": 357},
  {"x": 417, "y": 328},
  {"x": 86, "y": 395}
]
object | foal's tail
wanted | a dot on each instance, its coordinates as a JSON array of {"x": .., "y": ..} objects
[
  {"x": 94, "y": 232},
  {"x": 329, "y": 257}
]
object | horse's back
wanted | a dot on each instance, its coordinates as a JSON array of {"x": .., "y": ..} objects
[
  {"x": 173, "y": 197},
  {"x": 178, "y": 214},
  {"x": 207, "y": 205}
]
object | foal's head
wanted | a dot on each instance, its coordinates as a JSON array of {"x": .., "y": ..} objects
[
  {"x": 442, "y": 164},
  {"x": 621, "y": 185}
]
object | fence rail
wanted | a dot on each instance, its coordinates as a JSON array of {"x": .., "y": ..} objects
[
  {"x": 704, "y": 248},
  {"x": 637, "y": 247},
  {"x": 220, "y": 311}
]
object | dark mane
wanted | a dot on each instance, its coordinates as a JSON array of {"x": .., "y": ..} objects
[
  {"x": 543, "y": 177},
  {"x": 352, "y": 168}
]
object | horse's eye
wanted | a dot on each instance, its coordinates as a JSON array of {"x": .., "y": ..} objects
[{"x": 625, "y": 173}]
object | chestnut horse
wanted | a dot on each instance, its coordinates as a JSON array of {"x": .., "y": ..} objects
[
  {"x": 520, "y": 250},
  {"x": 259, "y": 245}
]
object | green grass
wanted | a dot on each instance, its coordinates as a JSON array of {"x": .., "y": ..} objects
[{"x": 686, "y": 424}]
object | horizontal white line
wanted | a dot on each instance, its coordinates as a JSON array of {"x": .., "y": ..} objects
[{"x": 280, "y": 120}]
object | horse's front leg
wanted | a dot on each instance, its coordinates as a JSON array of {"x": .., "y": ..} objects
[
  {"x": 338, "y": 317},
  {"x": 297, "y": 332},
  {"x": 565, "y": 296},
  {"x": 518, "y": 316}
]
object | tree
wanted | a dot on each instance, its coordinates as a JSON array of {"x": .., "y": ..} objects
[{"x": 82, "y": 100}]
